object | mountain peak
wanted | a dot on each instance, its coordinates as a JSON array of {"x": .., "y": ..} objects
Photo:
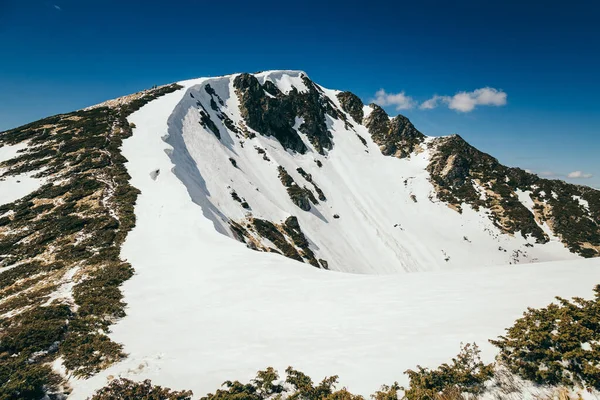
[{"x": 181, "y": 182}]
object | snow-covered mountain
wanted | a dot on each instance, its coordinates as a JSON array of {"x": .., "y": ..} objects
[
  {"x": 285, "y": 165},
  {"x": 176, "y": 183}
]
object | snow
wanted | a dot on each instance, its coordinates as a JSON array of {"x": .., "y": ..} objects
[
  {"x": 284, "y": 80},
  {"x": 65, "y": 290},
  {"x": 554, "y": 243},
  {"x": 202, "y": 308},
  {"x": 582, "y": 202},
  {"x": 353, "y": 177},
  {"x": 11, "y": 151},
  {"x": 16, "y": 186}
]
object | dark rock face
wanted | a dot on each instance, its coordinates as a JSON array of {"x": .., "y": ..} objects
[
  {"x": 275, "y": 115},
  {"x": 454, "y": 160},
  {"x": 287, "y": 237},
  {"x": 460, "y": 173},
  {"x": 308, "y": 177},
  {"x": 292, "y": 228},
  {"x": 352, "y": 104},
  {"x": 300, "y": 196},
  {"x": 268, "y": 230},
  {"x": 457, "y": 168},
  {"x": 396, "y": 137},
  {"x": 267, "y": 115},
  {"x": 208, "y": 123}
]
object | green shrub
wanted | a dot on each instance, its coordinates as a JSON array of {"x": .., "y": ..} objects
[
  {"x": 22, "y": 380},
  {"x": 304, "y": 388},
  {"x": 34, "y": 330},
  {"x": 466, "y": 374},
  {"x": 387, "y": 392},
  {"x": 265, "y": 382},
  {"x": 120, "y": 389},
  {"x": 235, "y": 391},
  {"x": 556, "y": 345},
  {"x": 87, "y": 353},
  {"x": 298, "y": 387}
]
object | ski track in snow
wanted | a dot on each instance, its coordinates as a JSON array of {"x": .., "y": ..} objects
[{"x": 202, "y": 308}]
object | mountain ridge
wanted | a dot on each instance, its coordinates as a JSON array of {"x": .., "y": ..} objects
[
  {"x": 302, "y": 116},
  {"x": 341, "y": 205}
]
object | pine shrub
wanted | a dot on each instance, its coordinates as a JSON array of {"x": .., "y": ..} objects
[
  {"x": 120, "y": 389},
  {"x": 556, "y": 345},
  {"x": 466, "y": 374}
]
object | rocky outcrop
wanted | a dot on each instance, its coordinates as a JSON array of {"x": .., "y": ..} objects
[
  {"x": 269, "y": 116},
  {"x": 292, "y": 228},
  {"x": 272, "y": 113},
  {"x": 462, "y": 175},
  {"x": 287, "y": 237},
  {"x": 309, "y": 178},
  {"x": 300, "y": 196},
  {"x": 351, "y": 104},
  {"x": 396, "y": 137}
]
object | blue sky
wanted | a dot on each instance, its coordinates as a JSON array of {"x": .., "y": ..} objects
[{"x": 543, "y": 56}]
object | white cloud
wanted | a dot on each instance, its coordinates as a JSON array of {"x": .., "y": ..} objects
[
  {"x": 467, "y": 101},
  {"x": 57, "y": 7},
  {"x": 578, "y": 175},
  {"x": 433, "y": 102},
  {"x": 400, "y": 100}
]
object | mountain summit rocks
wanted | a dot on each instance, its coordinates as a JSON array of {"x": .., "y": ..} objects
[{"x": 396, "y": 136}]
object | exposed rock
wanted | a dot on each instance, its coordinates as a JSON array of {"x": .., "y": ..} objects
[
  {"x": 208, "y": 123},
  {"x": 292, "y": 228},
  {"x": 362, "y": 139},
  {"x": 396, "y": 137},
  {"x": 284, "y": 177},
  {"x": 352, "y": 104},
  {"x": 213, "y": 94},
  {"x": 320, "y": 193},
  {"x": 274, "y": 114},
  {"x": 270, "y": 116},
  {"x": 239, "y": 232},
  {"x": 308, "y": 178},
  {"x": 235, "y": 196},
  {"x": 269, "y": 231},
  {"x": 457, "y": 169},
  {"x": 300, "y": 196}
]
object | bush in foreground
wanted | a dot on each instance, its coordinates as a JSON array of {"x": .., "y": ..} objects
[
  {"x": 466, "y": 374},
  {"x": 556, "y": 345},
  {"x": 120, "y": 389}
]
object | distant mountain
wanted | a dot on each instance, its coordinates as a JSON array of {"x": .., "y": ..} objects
[{"x": 273, "y": 160}]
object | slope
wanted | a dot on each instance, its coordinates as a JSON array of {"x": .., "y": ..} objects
[
  {"x": 203, "y": 308},
  {"x": 367, "y": 196}
]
